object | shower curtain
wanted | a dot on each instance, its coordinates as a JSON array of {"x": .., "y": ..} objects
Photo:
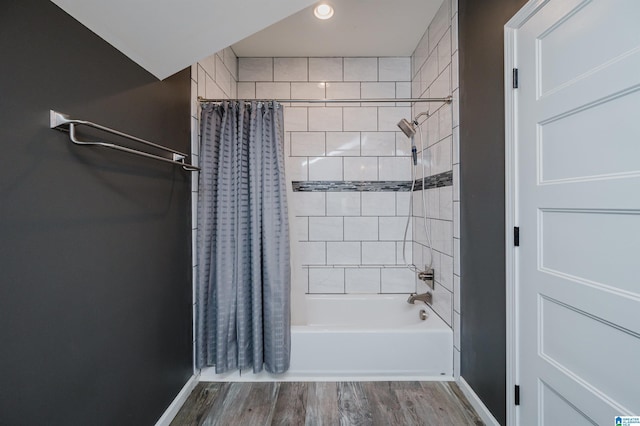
[{"x": 243, "y": 273}]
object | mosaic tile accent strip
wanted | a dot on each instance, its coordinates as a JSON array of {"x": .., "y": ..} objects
[
  {"x": 435, "y": 181},
  {"x": 352, "y": 186}
]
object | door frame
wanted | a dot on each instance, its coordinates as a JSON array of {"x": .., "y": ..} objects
[{"x": 511, "y": 201}]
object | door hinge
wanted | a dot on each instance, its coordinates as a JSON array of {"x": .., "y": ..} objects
[
  {"x": 515, "y": 78},
  {"x": 516, "y": 236},
  {"x": 516, "y": 395}
]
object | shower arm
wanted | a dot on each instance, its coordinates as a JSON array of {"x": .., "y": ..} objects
[{"x": 422, "y": 114}]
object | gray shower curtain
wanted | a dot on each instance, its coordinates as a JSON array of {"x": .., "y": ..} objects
[{"x": 243, "y": 273}]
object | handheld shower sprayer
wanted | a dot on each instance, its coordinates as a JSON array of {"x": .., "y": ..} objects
[{"x": 409, "y": 129}]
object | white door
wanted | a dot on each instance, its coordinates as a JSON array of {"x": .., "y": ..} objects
[{"x": 578, "y": 209}]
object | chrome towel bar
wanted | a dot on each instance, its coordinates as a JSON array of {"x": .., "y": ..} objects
[{"x": 63, "y": 122}]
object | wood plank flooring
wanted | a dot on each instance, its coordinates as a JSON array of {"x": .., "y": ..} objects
[{"x": 326, "y": 403}]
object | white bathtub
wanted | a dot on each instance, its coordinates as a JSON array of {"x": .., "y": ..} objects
[{"x": 372, "y": 337}]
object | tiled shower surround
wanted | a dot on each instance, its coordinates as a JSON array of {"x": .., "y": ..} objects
[
  {"x": 435, "y": 74},
  {"x": 350, "y": 241}
]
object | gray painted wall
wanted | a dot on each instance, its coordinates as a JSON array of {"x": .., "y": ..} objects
[
  {"x": 483, "y": 335},
  {"x": 95, "y": 296}
]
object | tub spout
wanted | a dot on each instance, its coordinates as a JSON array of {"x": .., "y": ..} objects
[{"x": 426, "y": 298}]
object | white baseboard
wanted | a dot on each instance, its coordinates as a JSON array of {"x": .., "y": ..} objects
[
  {"x": 170, "y": 413},
  {"x": 477, "y": 403}
]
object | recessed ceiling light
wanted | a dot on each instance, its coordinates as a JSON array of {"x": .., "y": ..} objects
[{"x": 323, "y": 11}]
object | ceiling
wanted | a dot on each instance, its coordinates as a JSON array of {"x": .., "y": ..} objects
[
  {"x": 166, "y": 36},
  {"x": 358, "y": 28}
]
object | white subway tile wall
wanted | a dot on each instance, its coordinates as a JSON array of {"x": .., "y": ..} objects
[
  {"x": 343, "y": 91},
  {"x": 325, "y": 119},
  {"x": 361, "y": 228},
  {"x": 307, "y": 144},
  {"x": 299, "y": 228},
  {"x": 269, "y": 90},
  {"x": 325, "y": 69},
  {"x": 398, "y": 280},
  {"x": 343, "y": 253},
  {"x": 362, "y": 280},
  {"x": 379, "y": 203},
  {"x": 307, "y": 90},
  {"x": 379, "y": 253},
  {"x": 290, "y": 69},
  {"x": 343, "y": 143},
  {"x": 360, "y": 69},
  {"x": 391, "y": 227},
  {"x": 296, "y": 168},
  {"x": 434, "y": 73},
  {"x": 325, "y": 168},
  {"x": 403, "y": 90},
  {"x": 378, "y": 143},
  {"x": 360, "y": 119},
  {"x": 394, "y": 69},
  {"x": 388, "y": 117},
  {"x": 343, "y": 203},
  {"x": 255, "y": 69},
  {"x": 313, "y": 252},
  {"x": 402, "y": 203},
  {"x": 353, "y": 240},
  {"x": 378, "y": 90},
  {"x": 295, "y": 119},
  {"x": 394, "y": 168},
  {"x": 361, "y": 168},
  {"x": 326, "y": 228},
  {"x": 326, "y": 280},
  {"x": 246, "y": 90}
]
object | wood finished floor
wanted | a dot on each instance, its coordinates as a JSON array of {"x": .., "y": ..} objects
[{"x": 327, "y": 403}]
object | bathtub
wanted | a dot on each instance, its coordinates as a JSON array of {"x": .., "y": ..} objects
[{"x": 372, "y": 337}]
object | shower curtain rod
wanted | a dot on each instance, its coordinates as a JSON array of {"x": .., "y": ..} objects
[{"x": 447, "y": 100}]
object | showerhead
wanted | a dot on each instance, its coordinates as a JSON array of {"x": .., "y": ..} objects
[{"x": 407, "y": 127}]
